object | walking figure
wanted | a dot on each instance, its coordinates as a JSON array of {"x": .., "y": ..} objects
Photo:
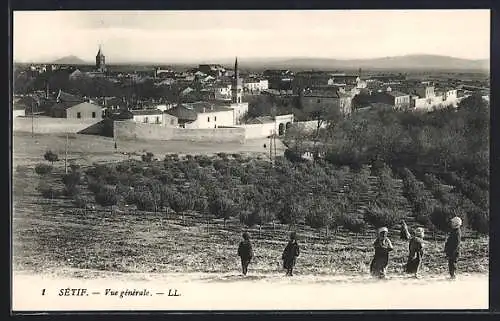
[
  {"x": 290, "y": 254},
  {"x": 380, "y": 260},
  {"x": 245, "y": 252},
  {"x": 452, "y": 245},
  {"x": 415, "y": 250}
]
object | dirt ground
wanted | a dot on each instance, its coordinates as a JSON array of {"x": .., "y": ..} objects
[
  {"x": 230, "y": 291},
  {"x": 86, "y": 149}
]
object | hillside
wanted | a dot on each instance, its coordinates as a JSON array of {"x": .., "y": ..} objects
[
  {"x": 70, "y": 60},
  {"x": 396, "y": 62}
]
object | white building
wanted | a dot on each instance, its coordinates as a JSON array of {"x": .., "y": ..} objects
[
  {"x": 154, "y": 117},
  {"x": 240, "y": 110},
  {"x": 255, "y": 85},
  {"x": 222, "y": 92},
  {"x": 148, "y": 116},
  {"x": 203, "y": 115}
]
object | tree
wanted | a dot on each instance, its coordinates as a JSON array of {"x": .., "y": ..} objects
[
  {"x": 106, "y": 196},
  {"x": 318, "y": 218},
  {"x": 51, "y": 156},
  {"x": 379, "y": 216},
  {"x": 440, "y": 217},
  {"x": 147, "y": 157},
  {"x": 48, "y": 191},
  {"x": 222, "y": 207},
  {"x": 43, "y": 169},
  {"x": 72, "y": 179},
  {"x": 351, "y": 222},
  {"x": 180, "y": 203},
  {"x": 291, "y": 213}
]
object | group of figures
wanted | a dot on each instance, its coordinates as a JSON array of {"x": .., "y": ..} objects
[{"x": 382, "y": 246}]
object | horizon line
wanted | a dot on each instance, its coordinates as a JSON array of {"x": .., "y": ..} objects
[{"x": 202, "y": 60}]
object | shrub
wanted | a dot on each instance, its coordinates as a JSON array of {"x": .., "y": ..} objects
[
  {"x": 123, "y": 167},
  {"x": 351, "y": 223},
  {"x": 479, "y": 220},
  {"x": 378, "y": 166},
  {"x": 200, "y": 204},
  {"x": 48, "y": 191},
  {"x": 180, "y": 203},
  {"x": 147, "y": 157},
  {"x": 221, "y": 207},
  {"x": 291, "y": 213},
  {"x": 440, "y": 217},
  {"x": 220, "y": 166},
  {"x": 204, "y": 161},
  {"x": 379, "y": 216},
  {"x": 252, "y": 217},
  {"x": 72, "y": 179},
  {"x": 71, "y": 190},
  {"x": 106, "y": 197},
  {"x": 98, "y": 171},
  {"x": 43, "y": 169},
  {"x": 95, "y": 185},
  {"x": 81, "y": 201},
  {"x": 222, "y": 156},
  {"x": 293, "y": 156},
  {"x": 51, "y": 156},
  {"x": 145, "y": 201},
  {"x": 137, "y": 169}
]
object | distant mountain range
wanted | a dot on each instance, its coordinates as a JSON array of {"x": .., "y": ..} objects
[
  {"x": 397, "y": 62},
  {"x": 70, "y": 60},
  {"x": 421, "y": 61}
]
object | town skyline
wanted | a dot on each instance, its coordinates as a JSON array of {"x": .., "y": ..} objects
[{"x": 221, "y": 35}]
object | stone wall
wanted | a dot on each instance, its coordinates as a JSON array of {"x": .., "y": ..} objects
[{"x": 126, "y": 130}]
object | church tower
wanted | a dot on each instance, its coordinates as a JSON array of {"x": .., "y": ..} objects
[
  {"x": 100, "y": 61},
  {"x": 237, "y": 86}
]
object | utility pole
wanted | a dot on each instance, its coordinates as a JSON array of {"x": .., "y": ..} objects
[
  {"x": 271, "y": 148},
  {"x": 32, "y": 121},
  {"x": 274, "y": 144},
  {"x": 66, "y": 156}
]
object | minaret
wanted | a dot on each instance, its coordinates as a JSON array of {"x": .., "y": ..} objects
[
  {"x": 100, "y": 61},
  {"x": 237, "y": 86}
]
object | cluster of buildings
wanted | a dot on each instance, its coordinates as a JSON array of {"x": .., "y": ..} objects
[{"x": 212, "y": 96}]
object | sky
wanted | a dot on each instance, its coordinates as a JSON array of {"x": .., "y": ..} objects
[{"x": 202, "y": 36}]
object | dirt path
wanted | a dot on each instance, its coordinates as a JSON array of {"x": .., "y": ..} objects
[{"x": 231, "y": 291}]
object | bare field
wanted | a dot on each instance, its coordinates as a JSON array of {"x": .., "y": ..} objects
[{"x": 87, "y": 149}]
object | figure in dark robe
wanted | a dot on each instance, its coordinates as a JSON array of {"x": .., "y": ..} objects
[
  {"x": 383, "y": 247},
  {"x": 290, "y": 254},
  {"x": 245, "y": 252},
  {"x": 452, "y": 245},
  {"x": 415, "y": 250}
]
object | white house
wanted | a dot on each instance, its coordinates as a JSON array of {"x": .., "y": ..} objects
[
  {"x": 222, "y": 92},
  {"x": 203, "y": 115},
  {"x": 255, "y": 85},
  {"x": 153, "y": 116},
  {"x": 148, "y": 116}
]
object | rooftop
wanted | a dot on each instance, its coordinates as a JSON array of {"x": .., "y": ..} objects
[
  {"x": 322, "y": 93},
  {"x": 144, "y": 112},
  {"x": 261, "y": 120},
  {"x": 189, "y": 112}
]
